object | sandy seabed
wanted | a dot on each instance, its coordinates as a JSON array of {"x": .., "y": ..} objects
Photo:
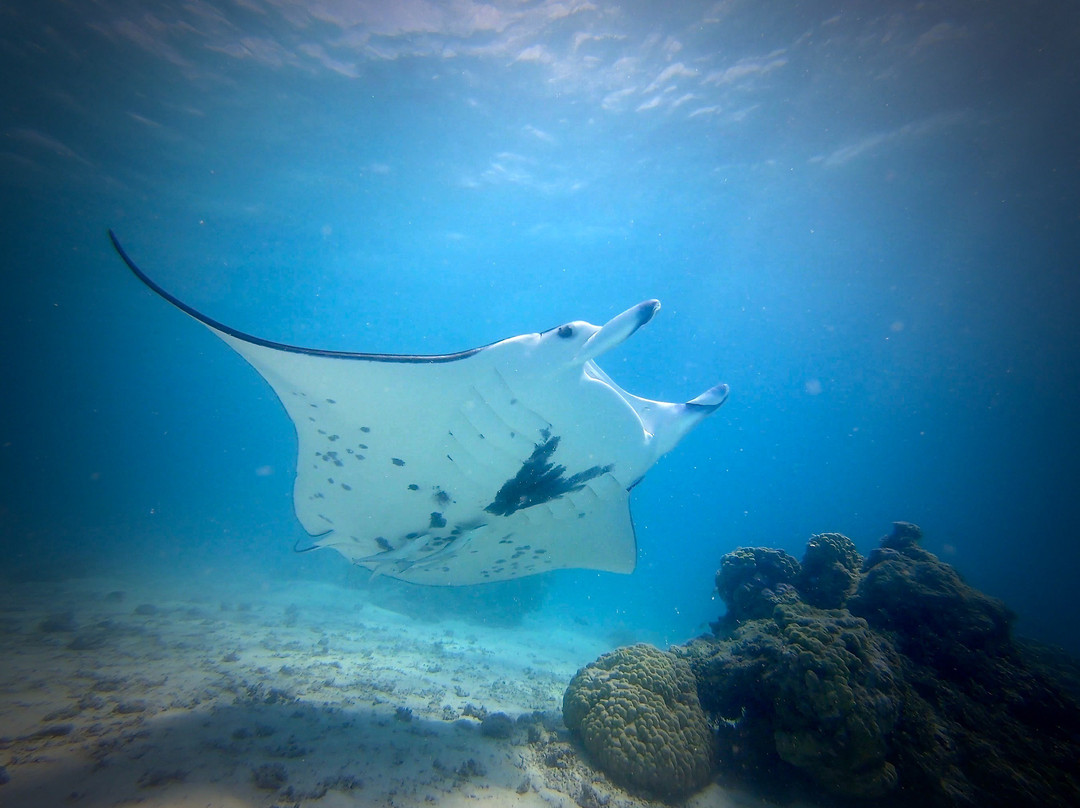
[{"x": 120, "y": 692}]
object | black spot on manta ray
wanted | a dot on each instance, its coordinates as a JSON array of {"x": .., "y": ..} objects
[
  {"x": 437, "y": 520},
  {"x": 383, "y": 543},
  {"x": 397, "y": 461},
  {"x": 414, "y": 487},
  {"x": 365, "y": 429},
  {"x": 441, "y": 496},
  {"x": 539, "y": 480}
]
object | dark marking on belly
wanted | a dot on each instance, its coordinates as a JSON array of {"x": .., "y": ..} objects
[{"x": 539, "y": 480}]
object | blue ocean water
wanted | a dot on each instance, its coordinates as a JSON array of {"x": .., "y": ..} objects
[{"x": 864, "y": 217}]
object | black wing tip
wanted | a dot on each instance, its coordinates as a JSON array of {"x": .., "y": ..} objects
[
  {"x": 277, "y": 346},
  {"x": 180, "y": 304},
  {"x": 711, "y": 400}
]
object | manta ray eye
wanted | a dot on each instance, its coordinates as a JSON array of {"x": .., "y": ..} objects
[{"x": 566, "y": 331}]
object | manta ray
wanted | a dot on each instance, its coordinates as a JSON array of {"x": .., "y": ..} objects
[{"x": 493, "y": 463}]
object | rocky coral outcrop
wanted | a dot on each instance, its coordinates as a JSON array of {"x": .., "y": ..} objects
[
  {"x": 752, "y": 581},
  {"x": 813, "y": 688},
  {"x": 637, "y": 713},
  {"x": 886, "y": 680},
  {"x": 830, "y": 570},
  {"x": 937, "y": 619}
]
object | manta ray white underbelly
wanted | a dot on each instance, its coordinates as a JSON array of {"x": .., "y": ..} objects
[{"x": 489, "y": 464}]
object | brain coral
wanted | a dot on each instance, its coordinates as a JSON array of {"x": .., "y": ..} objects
[{"x": 636, "y": 710}]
